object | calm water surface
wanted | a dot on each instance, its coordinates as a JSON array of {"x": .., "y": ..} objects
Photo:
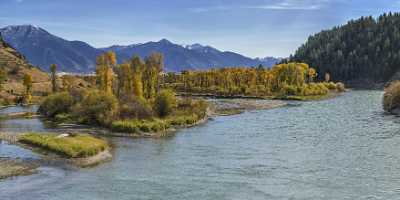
[{"x": 343, "y": 148}]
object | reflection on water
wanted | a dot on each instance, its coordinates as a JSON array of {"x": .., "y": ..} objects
[
  {"x": 16, "y": 109},
  {"x": 22, "y": 125},
  {"x": 343, "y": 148}
]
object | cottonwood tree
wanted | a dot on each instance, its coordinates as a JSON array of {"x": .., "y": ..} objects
[
  {"x": 53, "y": 76},
  {"x": 104, "y": 71},
  {"x": 28, "y": 88},
  {"x": 151, "y": 74}
]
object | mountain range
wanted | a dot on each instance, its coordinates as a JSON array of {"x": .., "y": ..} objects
[{"x": 42, "y": 49}]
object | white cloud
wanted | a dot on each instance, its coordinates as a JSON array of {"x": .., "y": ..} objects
[
  {"x": 207, "y": 9},
  {"x": 292, "y": 5},
  {"x": 275, "y": 5}
]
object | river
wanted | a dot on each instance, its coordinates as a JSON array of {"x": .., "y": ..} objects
[{"x": 341, "y": 148}]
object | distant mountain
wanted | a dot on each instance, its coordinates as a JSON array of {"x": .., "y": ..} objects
[
  {"x": 43, "y": 49},
  {"x": 196, "y": 56}
]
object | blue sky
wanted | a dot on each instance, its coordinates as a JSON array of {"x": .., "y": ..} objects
[{"x": 256, "y": 28}]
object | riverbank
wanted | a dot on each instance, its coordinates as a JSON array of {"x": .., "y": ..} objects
[
  {"x": 223, "y": 107},
  {"x": 16, "y": 115},
  {"x": 330, "y": 95},
  {"x": 14, "y": 167},
  {"x": 155, "y": 129}
]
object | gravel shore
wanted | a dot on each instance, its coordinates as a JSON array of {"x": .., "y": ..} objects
[{"x": 237, "y": 106}]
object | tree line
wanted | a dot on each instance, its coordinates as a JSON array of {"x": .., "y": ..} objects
[{"x": 283, "y": 79}]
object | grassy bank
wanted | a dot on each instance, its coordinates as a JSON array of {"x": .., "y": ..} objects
[
  {"x": 78, "y": 146},
  {"x": 136, "y": 126}
]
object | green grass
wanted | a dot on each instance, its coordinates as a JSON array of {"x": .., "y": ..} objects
[
  {"x": 136, "y": 126},
  {"x": 154, "y": 125},
  {"x": 79, "y": 146}
]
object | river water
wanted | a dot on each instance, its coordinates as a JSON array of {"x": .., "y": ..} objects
[{"x": 342, "y": 148}]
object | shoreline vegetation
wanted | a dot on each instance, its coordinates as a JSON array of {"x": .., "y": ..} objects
[
  {"x": 126, "y": 98},
  {"x": 391, "y": 98},
  {"x": 137, "y": 98},
  {"x": 81, "y": 150},
  {"x": 286, "y": 81}
]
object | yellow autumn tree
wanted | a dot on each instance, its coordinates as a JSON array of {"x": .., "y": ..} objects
[
  {"x": 137, "y": 68},
  {"x": 28, "y": 88},
  {"x": 151, "y": 74},
  {"x": 104, "y": 71}
]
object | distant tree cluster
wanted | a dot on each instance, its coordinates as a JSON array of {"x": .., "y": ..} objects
[
  {"x": 283, "y": 79},
  {"x": 366, "y": 48}
]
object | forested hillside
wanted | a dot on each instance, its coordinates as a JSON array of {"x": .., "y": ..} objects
[{"x": 363, "y": 50}]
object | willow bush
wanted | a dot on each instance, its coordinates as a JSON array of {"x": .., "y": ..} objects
[{"x": 391, "y": 97}]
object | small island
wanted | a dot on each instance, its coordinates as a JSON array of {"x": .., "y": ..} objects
[
  {"x": 82, "y": 150},
  {"x": 126, "y": 99},
  {"x": 79, "y": 149}
]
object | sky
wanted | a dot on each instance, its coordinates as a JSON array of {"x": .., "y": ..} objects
[{"x": 255, "y": 28}]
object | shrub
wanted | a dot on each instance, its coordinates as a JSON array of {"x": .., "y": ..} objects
[
  {"x": 391, "y": 97},
  {"x": 54, "y": 104},
  {"x": 62, "y": 117},
  {"x": 125, "y": 126},
  {"x": 189, "y": 106},
  {"x": 340, "y": 87},
  {"x": 288, "y": 90},
  {"x": 77, "y": 146},
  {"x": 322, "y": 89},
  {"x": 183, "y": 120},
  {"x": 165, "y": 103},
  {"x": 330, "y": 85},
  {"x": 96, "y": 107},
  {"x": 199, "y": 108},
  {"x": 135, "y": 108},
  {"x": 134, "y": 126},
  {"x": 314, "y": 89}
]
